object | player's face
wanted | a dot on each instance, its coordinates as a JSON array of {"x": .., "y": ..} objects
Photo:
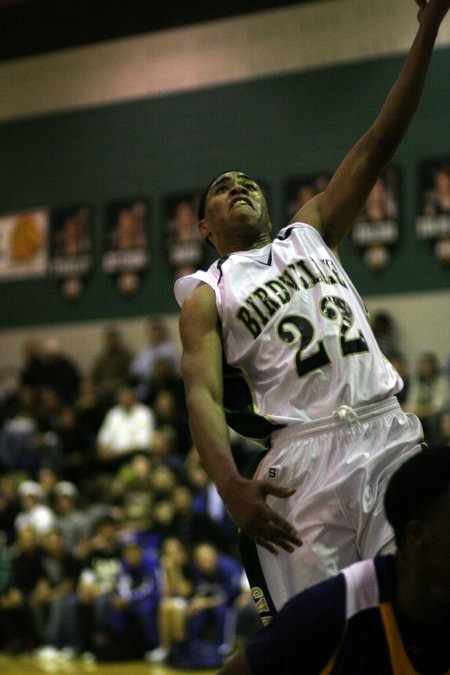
[{"x": 236, "y": 212}]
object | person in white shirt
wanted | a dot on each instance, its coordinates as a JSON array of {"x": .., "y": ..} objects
[{"x": 128, "y": 426}]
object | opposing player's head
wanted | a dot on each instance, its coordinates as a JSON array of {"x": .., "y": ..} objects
[
  {"x": 233, "y": 213},
  {"x": 417, "y": 501}
]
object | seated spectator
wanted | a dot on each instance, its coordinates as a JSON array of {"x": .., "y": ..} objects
[
  {"x": 9, "y": 507},
  {"x": 34, "y": 514},
  {"x": 60, "y": 372},
  {"x": 21, "y": 412},
  {"x": 70, "y": 520},
  {"x": 90, "y": 409},
  {"x": 5, "y": 581},
  {"x": 165, "y": 378},
  {"x": 163, "y": 482},
  {"x": 445, "y": 428},
  {"x": 177, "y": 588},
  {"x": 428, "y": 395},
  {"x": 192, "y": 527},
  {"x": 32, "y": 370},
  {"x": 127, "y": 428},
  {"x": 168, "y": 413},
  {"x": 217, "y": 585},
  {"x": 207, "y": 500},
  {"x": 97, "y": 582},
  {"x": 133, "y": 605},
  {"x": 53, "y": 590},
  {"x": 77, "y": 445},
  {"x": 142, "y": 368},
  {"x": 47, "y": 478},
  {"x": 19, "y": 630},
  {"x": 401, "y": 366},
  {"x": 385, "y": 332},
  {"x": 110, "y": 368},
  {"x": 163, "y": 449}
]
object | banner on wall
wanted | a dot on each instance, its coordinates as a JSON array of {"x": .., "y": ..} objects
[
  {"x": 433, "y": 217},
  {"x": 23, "y": 244},
  {"x": 71, "y": 248},
  {"x": 126, "y": 255},
  {"x": 377, "y": 228},
  {"x": 298, "y": 191},
  {"x": 185, "y": 248}
]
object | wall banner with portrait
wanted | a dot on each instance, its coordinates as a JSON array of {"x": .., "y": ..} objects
[
  {"x": 126, "y": 253},
  {"x": 433, "y": 216},
  {"x": 298, "y": 191},
  {"x": 71, "y": 248},
  {"x": 185, "y": 248},
  {"x": 377, "y": 228},
  {"x": 23, "y": 244}
]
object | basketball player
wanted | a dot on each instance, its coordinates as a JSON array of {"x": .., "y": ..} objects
[
  {"x": 382, "y": 616},
  {"x": 276, "y": 344}
]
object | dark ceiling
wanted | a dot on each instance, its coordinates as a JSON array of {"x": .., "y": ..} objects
[{"x": 37, "y": 26}]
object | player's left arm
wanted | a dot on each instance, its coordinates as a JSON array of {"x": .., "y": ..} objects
[{"x": 334, "y": 211}]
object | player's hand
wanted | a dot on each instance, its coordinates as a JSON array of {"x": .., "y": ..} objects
[
  {"x": 439, "y": 6},
  {"x": 247, "y": 506}
]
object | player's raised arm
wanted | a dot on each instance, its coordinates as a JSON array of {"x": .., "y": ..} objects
[
  {"x": 334, "y": 211},
  {"x": 202, "y": 373}
]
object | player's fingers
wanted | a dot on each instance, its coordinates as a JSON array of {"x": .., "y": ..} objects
[{"x": 277, "y": 490}]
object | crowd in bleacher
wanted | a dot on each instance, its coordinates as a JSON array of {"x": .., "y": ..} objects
[{"x": 114, "y": 543}]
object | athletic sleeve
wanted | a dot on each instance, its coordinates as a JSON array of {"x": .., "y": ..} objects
[{"x": 304, "y": 635}]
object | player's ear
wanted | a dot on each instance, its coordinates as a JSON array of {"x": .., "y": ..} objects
[{"x": 203, "y": 228}]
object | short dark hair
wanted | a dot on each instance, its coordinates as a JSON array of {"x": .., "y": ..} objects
[
  {"x": 416, "y": 488},
  {"x": 202, "y": 202}
]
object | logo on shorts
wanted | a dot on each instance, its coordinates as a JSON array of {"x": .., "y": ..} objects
[
  {"x": 260, "y": 601},
  {"x": 273, "y": 472}
]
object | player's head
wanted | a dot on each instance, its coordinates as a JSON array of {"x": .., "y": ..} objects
[
  {"x": 233, "y": 204},
  {"x": 417, "y": 501}
]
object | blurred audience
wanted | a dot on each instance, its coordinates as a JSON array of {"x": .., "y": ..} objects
[
  {"x": 128, "y": 426},
  {"x": 428, "y": 395},
  {"x": 110, "y": 368},
  {"x": 159, "y": 346}
]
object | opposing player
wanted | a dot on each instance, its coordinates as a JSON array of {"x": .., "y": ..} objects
[
  {"x": 382, "y": 616},
  {"x": 276, "y": 344}
]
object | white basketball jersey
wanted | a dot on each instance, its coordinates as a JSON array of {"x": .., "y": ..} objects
[{"x": 296, "y": 341}]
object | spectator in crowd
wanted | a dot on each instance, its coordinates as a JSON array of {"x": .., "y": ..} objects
[
  {"x": 428, "y": 395},
  {"x": 90, "y": 408},
  {"x": 176, "y": 590},
  {"x": 134, "y": 603},
  {"x": 192, "y": 527},
  {"x": 27, "y": 570},
  {"x": 9, "y": 507},
  {"x": 5, "y": 579},
  {"x": 169, "y": 414},
  {"x": 128, "y": 426},
  {"x": 163, "y": 449},
  {"x": 400, "y": 364},
  {"x": 385, "y": 332},
  {"x": 32, "y": 371},
  {"x": 142, "y": 368},
  {"x": 77, "y": 445},
  {"x": 217, "y": 585},
  {"x": 165, "y": 378},
  {"x": 384, "y": 615},
  {"x": 71, "y": 521},
  {"x": 34, "y": 513},
  {"x": 110, "y": 367},
  {"x": 60, "y": 372},
  {"x": 97, "y": 582},
  {"x": 53, "y": 590},
  {"x": 47, "y": 478},
  {"x": 445, "y": 428},
  {"x": 206, "y": 498},
  {"x": 21, "y": 411}
]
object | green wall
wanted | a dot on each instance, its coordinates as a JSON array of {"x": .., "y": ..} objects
[{"x": 274, "y": 128}]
